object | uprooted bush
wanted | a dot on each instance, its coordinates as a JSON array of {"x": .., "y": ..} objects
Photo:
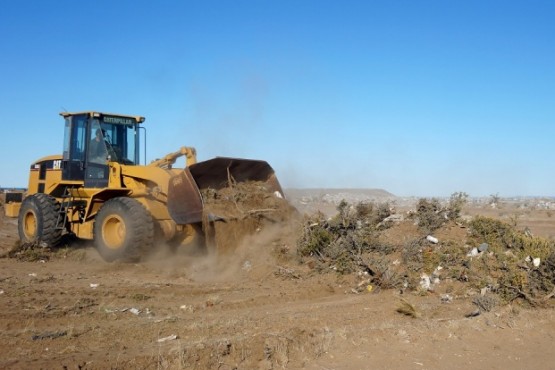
[
  {"x": 509, "y": 269},
  {"x": 505, "y": 269},
  {"x": 431, "y": 214},
  {"x": 29, "y": 252},
  {"x": 340, "y": 242},
  {"x": 69, "y": 248},
  {"x": 502, "y": 236},
  {"x": 511, "y": 263}
]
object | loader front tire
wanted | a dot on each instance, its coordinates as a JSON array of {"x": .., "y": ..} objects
[
  {"x": 37, "y": 220},
  {"x": 123, "y": 230}
]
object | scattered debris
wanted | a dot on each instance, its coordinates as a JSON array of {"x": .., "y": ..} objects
[
  {"x": 49, "y": 335},
  {"x": 29, "y": 252},
  {"x": 247, "y": 266},
  {"x": 473, "y": 313},
  {"x": 473, "y": 252},
  {"x": 133, "y": 310},
  {"x": 486, "y": 302},
  {"x": 187, "y": 307},
  {"x": 287, "y": 273},
  {"x": 446, "y": 298},
  {"x": 168, "y": 338},
  {"x": 425, "y": 282},
  {"x": 94, "y": 286},
  {"x": 353, "y": 242},
  {"x": 395, "y": 218}
]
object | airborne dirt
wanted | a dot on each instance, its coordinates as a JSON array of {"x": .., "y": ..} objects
[{"x": 255, "y": 308}]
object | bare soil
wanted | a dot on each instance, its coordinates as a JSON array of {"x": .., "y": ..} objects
[{"x": 256, "y": 308}]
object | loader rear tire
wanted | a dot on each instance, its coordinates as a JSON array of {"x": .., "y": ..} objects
[
  {"x": 37, "y": 220},
  {"x": 123, "y": 230}
]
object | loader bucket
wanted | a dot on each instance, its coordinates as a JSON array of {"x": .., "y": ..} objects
[{"x": 185, "y": 203}]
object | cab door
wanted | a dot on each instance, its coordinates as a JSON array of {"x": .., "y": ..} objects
[
  {"x": 96, "y": 168},
  {"x": 73, "y": 161},
  {"x": 77, "y": 164}
]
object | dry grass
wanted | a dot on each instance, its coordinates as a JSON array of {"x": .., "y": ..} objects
[{"x": 406, "y": 308}]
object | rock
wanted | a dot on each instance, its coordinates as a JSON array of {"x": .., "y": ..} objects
[
  {"x": 483, "y": 247},
  {"x": 432, "y": 239}
]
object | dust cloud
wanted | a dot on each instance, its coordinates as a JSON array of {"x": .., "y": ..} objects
[{"x": 253, "y": 257}]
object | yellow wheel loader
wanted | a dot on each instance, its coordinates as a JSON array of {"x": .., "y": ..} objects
[{"x": 98, "y": 189}]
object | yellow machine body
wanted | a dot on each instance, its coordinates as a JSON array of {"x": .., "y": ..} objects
[{"x": 68, "y": 193}]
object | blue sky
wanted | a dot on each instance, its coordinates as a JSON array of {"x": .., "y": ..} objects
[{"x": 419, "y": 98}]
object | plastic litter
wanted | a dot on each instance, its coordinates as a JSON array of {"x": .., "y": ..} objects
[
  {"x": 134, "y": 311},
  {"x": 425, "y": 282},
  {"x": 473, "y": 253},
  {"x": 446, "y": 298},
  {"x": 165, "y": 339},
  {"x": 247, "y": 266},
  {"x": 432, "y": 239},
  {"x": 187, "y": 307}
]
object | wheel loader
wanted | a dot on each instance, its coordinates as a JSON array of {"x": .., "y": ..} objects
[{"x": 99, "y": 190}]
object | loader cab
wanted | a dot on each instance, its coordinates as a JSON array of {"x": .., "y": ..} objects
[{"x": 92, "y": 140}]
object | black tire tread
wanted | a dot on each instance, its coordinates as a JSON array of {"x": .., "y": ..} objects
[{"x": 49, "y": 210}]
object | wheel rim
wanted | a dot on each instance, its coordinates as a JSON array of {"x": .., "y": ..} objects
[
  {"x": 113, "y": 232},
  {"x": 30, "y": 225}
]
